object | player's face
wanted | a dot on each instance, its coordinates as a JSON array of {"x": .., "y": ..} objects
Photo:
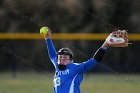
[{"x": 63, "y": 59}]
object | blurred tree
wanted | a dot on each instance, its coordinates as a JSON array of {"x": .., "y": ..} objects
[{"x": 68, "y": 16}]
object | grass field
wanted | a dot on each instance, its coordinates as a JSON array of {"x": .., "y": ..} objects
[{"x": 93, "y": 83}]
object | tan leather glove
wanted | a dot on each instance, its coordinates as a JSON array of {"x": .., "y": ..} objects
[{"x": 118, "y": 38}]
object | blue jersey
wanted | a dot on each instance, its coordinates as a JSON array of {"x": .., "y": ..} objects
[{"x": 68, "y": 80}]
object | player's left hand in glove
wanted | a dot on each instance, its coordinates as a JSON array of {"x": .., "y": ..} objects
[{"x": 118, "y": 38}]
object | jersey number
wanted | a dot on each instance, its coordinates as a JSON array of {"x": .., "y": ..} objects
[{"x": 57, "y": 81}]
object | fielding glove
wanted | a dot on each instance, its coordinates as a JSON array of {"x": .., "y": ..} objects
[{"x": 118, "y": 38}]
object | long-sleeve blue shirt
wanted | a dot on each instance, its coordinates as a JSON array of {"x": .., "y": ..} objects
[{"x": 68, "y": 80}]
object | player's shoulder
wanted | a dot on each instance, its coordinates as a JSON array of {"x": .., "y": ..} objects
[{"x": 75, "y": 64}]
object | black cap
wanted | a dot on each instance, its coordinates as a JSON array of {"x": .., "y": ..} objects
[{"x": 65, "y": 51}]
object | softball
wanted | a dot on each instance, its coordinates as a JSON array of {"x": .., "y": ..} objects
[{"x": 44, "y": 30}]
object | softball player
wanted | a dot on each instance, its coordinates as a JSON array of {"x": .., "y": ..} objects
[{"x": 68, "y": 74}]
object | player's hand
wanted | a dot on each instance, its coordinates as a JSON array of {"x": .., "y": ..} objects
[
  {"x": 48, "y": 33},
  {"x": 118, "y": 38}
]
